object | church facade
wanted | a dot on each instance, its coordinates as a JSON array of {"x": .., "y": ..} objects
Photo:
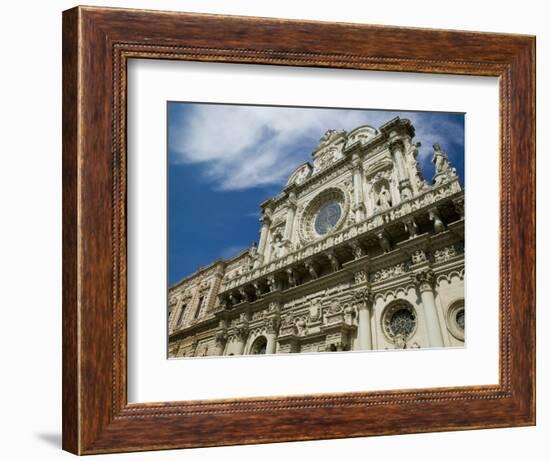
[{"x": 357, "y": 252}]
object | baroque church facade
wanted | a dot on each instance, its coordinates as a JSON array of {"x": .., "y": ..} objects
[{"x": 358, "y": 252}]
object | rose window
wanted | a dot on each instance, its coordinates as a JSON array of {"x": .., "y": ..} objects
[
  {"x": 402, "y": 322},
  {"x": 327, "y": 217},
  {"x": 399, "y": 320},
  {"x": 324, "y": 214}
]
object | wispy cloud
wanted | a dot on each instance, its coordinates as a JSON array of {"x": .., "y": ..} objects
[
  {"x": 230, "y": 251},
  {"x": 241, "y": 147}
]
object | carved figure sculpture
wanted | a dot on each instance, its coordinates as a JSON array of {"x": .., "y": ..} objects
[
  {"x": 384, "y": 198},
  {"x": 440, "y": 159}
]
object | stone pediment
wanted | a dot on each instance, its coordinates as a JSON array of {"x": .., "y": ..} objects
[
  {"x": 330, "y": 137},
  {"x": 300, "y": 174},
  {"x": 382, "y": 165},
  {"x": 362, "y": 134}
]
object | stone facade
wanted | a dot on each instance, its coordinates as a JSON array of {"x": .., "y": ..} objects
[{"x": 358, "y": 252}]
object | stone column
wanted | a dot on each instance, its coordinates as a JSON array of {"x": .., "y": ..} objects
[
  {"x": 264, "y": 233},
  {"x": 291, "y": 213},
  {"x": 221, "y": 339},
  {"x": 272, "y": 323},
  {"x": 363, "y": 301},
  {"x": 396, "y": 149},
  {"x": 271, "y": 335},
  {"x": 425, "y": 281},
  {"x": 241, "y": 334},
  {"x": 359, "y": 204}
]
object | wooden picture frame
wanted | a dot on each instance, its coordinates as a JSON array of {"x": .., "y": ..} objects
[{"x": 97, "y": 43}]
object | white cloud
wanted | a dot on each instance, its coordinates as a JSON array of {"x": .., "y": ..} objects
[
  {"x": 248, "y": 146},
  {"x": 231, "y": 251}
]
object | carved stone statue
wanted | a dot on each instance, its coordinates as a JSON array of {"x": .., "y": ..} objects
[
  {"x": 440, "y": 159},
  {"x": 277, "y": 246},
  {"x": 384, "y": 198},
  {"x": 291, "y": 277},
  {"x": 328, "y": 136},
  {"x": 253, "y": 251}
]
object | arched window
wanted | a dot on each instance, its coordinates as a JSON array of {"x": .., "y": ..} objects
[
  {"x": 182, "y": 313},
  {"x": 259, "y": 346},
  {"x": 199, "y": 307}
]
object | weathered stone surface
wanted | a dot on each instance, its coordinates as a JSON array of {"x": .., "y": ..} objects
[{"x": 355, "y": 253}]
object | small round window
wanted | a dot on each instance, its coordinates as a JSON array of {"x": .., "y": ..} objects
[
  {"x": 402, "y": 322},
  {"x": 327, "y": 217},
  {"x": 399, "y": 320},
  {"x": 456, "y": 319},
  {"x": 460, "y": 319}
]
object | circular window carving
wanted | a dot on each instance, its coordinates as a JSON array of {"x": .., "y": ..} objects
[
  {"x": 402, "y": 322},
  {"x": 324, "y": 214},
  {"x": 327, "y": 217},
  {"x": 399, "y": 320},
  {"x": 456, "y": 319},
  {"x": 459, "y": 317},
  {"x": 259, "y": 346}
]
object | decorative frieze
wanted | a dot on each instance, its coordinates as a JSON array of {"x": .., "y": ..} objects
[
  {"x": 360, "y": 276},
  {"x": 448, "y": 253},
  {"x": 419, "y": 256},
  {"x": 389, "y": 272}
]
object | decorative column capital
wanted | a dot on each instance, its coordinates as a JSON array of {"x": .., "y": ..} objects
[
  {"x": 396, "y": 144},
  {"x": 425, "y": 280},
  {"x": 221, "y": 337},
  {"x": 265, "y": 220},
  {"x": 363, "y": 298},
  {"x": 241, "y": 331},
  {"x": 356, "y": 163},
  {"x": 272, "y": 324}
]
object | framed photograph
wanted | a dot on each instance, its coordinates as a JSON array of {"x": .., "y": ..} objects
[{"x": 280, "y": 230}]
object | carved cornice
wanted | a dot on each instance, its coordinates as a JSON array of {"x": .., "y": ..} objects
[{"x": 372, "y": 225}]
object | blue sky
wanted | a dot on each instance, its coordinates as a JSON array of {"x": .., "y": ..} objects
[{"x": 224, "y": 160}]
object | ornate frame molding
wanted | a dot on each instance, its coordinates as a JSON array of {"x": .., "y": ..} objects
[{"x": 97, "y": 44}]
